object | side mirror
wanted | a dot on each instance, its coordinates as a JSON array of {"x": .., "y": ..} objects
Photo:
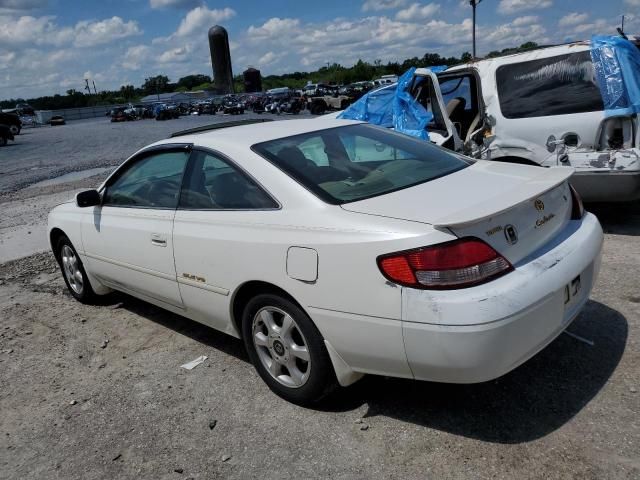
[{"x": 88, "y": 198}]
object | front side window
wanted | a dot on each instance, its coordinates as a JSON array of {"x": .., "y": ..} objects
[
  {"x": 362, "y": 161},
  {"x": 152, "y": 182},
  {"x": 558, "y": 85},
  {"x": 211, "y": 183}
]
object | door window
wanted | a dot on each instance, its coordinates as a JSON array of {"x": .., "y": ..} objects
[
  {"x": 152, "y": 182},
  {"x": 211, "y": 183},
  {"x": 558, "y": 85}
]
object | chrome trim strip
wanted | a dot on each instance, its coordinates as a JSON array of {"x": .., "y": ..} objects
[{"x": 203, "y": 286}]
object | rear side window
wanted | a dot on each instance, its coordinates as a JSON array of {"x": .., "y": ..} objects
[
  {"x": 211, "y": 183},
  {"x": 558, "y": 85},
  {"x": 362, "y": 161}
]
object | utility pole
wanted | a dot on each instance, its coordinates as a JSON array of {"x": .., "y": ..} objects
[
  {"x": 94, "y": 87},
  {"x": 474, "y": 4}
]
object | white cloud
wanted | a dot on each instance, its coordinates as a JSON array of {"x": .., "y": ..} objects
[
  {"x": 573, "y": 19},
  {"x": 88, "y": 34},
  {"x": 526, "y": 20},
  {"x": 377, "y": 5},
  {"x": 513, "y": 6},
  {"x": 180, "y": 54},
  {"x": 28, "y": 30},
  {"x": 417, "y": 11},
  {"x": 632, "y": 3},
  {"x": 200, "y": 19},
  {"x": 267, "y": 58},
  {"x": 274, "y": 27},
  {"x": 136, "y": 57},
  {"x": 175, "y": 3},
  {"x": 21, "y": 5}
]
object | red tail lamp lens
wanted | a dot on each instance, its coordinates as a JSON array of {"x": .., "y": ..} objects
[{"x": 458, "y": 264}]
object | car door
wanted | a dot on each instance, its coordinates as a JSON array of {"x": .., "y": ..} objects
[
  {"x": 426, "y": 89},
  {"x": 222, "y": 210},
  {"x": 128, "y": 238}
]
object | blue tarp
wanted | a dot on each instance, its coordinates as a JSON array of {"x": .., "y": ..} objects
[
  {"x": 616, "y": 62},
  {"x": 393, "y": 106}
]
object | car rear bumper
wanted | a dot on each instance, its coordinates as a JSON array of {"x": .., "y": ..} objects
[
  {"x": 480, "y": 333},
  {"x": 609, "y": 186}
]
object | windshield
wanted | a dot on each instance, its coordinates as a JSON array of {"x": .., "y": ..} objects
[{"x": 355, "y": 162}]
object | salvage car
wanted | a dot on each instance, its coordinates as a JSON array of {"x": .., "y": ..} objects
[
  {"x": 542, "y": 107},
  {"x": 122, "y": 114},
  {"x": 5, "y": 135},
  {"x": 337, "y": 248},
  {"x": 57, "y": 120}
]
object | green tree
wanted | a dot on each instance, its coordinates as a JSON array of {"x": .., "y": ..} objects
[
  {"x": 191, "y": 81},
  {"x": 157, "y": 84}
]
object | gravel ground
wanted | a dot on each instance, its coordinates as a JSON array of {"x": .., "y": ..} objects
[{"x": 97, "y": 391}]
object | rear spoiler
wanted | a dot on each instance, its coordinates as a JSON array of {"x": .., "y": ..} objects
[{"x": 548, "y": 179}]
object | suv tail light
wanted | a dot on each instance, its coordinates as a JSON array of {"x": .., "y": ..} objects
[
  {"x": 577, "y": 207},
  {"x": 458, "y": 264}
]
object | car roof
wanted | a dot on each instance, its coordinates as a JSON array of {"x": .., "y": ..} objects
[
  {"x": 518, "y": 57},
  {"x": 251, "y": 134}
]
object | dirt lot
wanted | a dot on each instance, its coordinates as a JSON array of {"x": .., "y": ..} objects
[{"x": 97, "y": 391}]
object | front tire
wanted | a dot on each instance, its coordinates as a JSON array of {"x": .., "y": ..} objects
[
  {"x": 73, "y": 272},
  {"x": 14, "y": 129},
  {"x": 287, "y": 350}
]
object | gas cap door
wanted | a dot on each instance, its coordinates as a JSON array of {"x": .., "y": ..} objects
[{"x": 302, "y": 264}]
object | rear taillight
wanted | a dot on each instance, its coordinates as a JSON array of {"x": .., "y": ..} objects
[
  {"x": 577, "y": 207},
  {"x": 458, "y": 264}
]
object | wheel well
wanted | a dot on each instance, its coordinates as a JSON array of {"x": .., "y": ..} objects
[
  {"x": 518, "y": 160},
  {"x": 249, "y": 290},
  {"x": 54, "y": 236}
]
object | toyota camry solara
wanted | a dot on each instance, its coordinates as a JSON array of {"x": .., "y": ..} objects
[{"x": 335, "y": 248}]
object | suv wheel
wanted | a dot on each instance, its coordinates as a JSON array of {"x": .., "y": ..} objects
[
  {"x": 14, "y": 129},
  {"x": 287, "y": 349}
]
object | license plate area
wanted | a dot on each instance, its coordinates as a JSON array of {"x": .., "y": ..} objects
[{"x": 572, "y": 291}]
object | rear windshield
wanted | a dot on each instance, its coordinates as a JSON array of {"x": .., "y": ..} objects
[
  {"x": 550, "y": 86},
  {"x": 355, "y": 162}
]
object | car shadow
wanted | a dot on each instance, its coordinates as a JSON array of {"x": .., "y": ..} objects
[
  {"x": 617, "y": 218},
  {"x": 194, "y": 330},
  {"x": 530, "y": 402}
]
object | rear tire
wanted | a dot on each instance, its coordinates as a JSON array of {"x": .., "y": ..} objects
[
  {"x": 14, "y": 129},
  {"x": 3, "y": 141},
  {"x": 73, "y": 272},
  {"x": 287, "y": 350}
]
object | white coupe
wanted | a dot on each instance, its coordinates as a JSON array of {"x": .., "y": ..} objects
[{"x": 335, "y": 248}]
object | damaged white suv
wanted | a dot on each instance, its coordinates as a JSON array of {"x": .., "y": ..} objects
[{"x": 544, "y": 107}]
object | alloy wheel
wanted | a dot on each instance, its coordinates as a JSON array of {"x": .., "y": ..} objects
[
  {"x": 71, "y": 269},
  {"x": 281, "y": 347}
]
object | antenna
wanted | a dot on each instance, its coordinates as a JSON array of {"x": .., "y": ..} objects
[{"x": 474, "y": 4}]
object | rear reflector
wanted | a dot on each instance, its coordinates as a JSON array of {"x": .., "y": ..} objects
[{"x": 458, "y": 264}]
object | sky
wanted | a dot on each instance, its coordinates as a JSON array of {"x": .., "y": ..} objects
[{"x": 51, "y": 46}]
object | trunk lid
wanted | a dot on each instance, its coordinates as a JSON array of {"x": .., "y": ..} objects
[{"x": 516, "y": 209}]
